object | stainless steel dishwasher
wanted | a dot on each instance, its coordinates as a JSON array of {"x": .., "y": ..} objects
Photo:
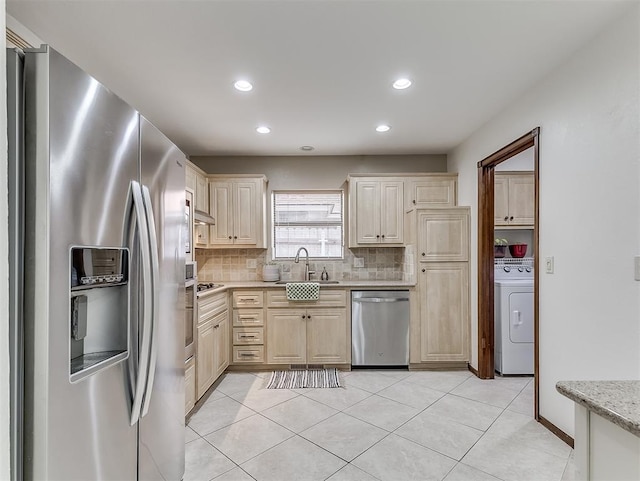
[{"x": 380, "y": 328}]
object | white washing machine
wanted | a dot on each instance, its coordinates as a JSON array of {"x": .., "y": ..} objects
[{"x": 513, "y": 323}]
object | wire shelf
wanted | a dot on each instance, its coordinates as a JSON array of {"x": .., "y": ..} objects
[{"x": 513, "y": 261}]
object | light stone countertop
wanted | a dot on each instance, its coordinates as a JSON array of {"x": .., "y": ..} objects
[
  {"x": 616, "y": 401},
  {"x": 272, "y": 285}
]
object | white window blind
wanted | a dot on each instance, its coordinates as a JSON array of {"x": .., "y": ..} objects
[{"x": 310, "y": 219}]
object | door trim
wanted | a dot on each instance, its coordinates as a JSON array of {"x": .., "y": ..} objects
[{"x": 485, "y": 255}]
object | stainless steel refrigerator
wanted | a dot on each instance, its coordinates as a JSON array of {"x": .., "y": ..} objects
[{"x": 97, "y": 268}]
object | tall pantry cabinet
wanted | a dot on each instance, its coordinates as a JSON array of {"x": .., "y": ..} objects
[{"x": 441, "y": 329}]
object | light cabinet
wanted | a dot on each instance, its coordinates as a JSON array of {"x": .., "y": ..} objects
[
  {"x": 307, "y": 336},
  {"x": 248, "y": 327},
  {"x": 202, "y": 193},
  {"x": 433, "y": 190},
  {"x": 196, "y": 183},
  {"x": 189, "y": 387},
  {"x": 443, "y": 234},
  {"x": 443, "y": 290},
  {"x": 239, "y": 208},
  {"x": 514, "y": 199},
  {"x": 309, "y": 332},
  {"x": 212, "y": 341},
  {"x": 376, "y": 211},
  {"x": 440, "y": 324}
]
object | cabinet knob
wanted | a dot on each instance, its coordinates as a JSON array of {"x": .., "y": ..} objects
[
  {"x": 511, "y": 218},
  {"x": 414, "y": 202},
  {"x": 230, "y": 236},
  {"x": 506, "y": 218},
  {"x": 424, "y": 270},
  {"x": 235, "y": 236},
  {"x": 304, "y": 317},
  {"x": 383, "y": 236},
  {"x": 424, "y": 254},
  {"x": 377, "y": 236}
]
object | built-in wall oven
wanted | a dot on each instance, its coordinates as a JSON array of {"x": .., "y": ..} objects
[{"x": 190, "y": 310}]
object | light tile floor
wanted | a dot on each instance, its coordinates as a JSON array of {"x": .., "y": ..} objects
[{"x": 383, "y": 425}]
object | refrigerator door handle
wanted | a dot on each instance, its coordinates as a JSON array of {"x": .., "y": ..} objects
[
  {"x": 155, "y": 281},
  {"x": 143, "y": 354}
]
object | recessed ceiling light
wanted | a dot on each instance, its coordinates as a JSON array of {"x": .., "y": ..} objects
[
  {"x": 243, "y": 85},
  {"x": 401, "y": 84},
  {"x": 263, "y": 130},
  {"x": 307, "y": 148},
  {"x": 383, "y": 128}
]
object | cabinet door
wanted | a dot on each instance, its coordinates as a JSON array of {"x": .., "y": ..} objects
[
  {"x": 444, "y": 311},
  {"x": 434, "y": 192},
  {"x": 205, "y": 357},
  {"x": 327, "y": 336},
  {"x": 443, "y": 234},
  {"x": 202, "y": 193},
  {"x": 366, "y": 212},
  {"x": 286, "y": 336},
  {"x": 500, "y": 200},
  {"x": 246, "y": 213},
  {"x": 521, "y": 199},
  {"x": 189, "y": 388},
  {"x": 221, "y": 344},
  {"x": 391, "y": 212},
  {"x": 221, "y": 202},
  {"x": 202, "y": 235},
  {"x": 190, "y": 178}
]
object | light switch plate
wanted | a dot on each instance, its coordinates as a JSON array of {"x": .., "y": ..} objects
[
  {"x": 636, "y": 265},
  {"x": 251, "y": 263},
  {"x": 548, "y": 265},
  {"x": 358, "y": 262}
]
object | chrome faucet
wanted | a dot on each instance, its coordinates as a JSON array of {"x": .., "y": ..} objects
[{"x": 307, "y": 272}]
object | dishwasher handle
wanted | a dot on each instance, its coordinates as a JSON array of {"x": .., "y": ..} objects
[{"x": 380, "y": 299}]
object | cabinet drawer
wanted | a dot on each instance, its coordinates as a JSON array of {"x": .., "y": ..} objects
[
  {"x": 210, "y": 305},
  {"x": 248, "y": 299},
  {"x": 248, "y": 335},
  {"x": 248, "y": 354},
  {"x": 248, "y": 317},
  {"x": 328, "y": 298}
]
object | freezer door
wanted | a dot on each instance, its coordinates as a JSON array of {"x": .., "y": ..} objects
[
  {"x": 82, "y": 152},
  {"x": 162, "y": 422}
]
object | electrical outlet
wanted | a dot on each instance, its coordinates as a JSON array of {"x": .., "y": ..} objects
[
  {"x": 358, "y": 262},
  {"x": 548, "y": 265},
  {"x": 251, "y": 263}
]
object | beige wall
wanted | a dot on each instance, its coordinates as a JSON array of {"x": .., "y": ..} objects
[
  {"x": 588, "y": 112},
  {"x": 318, "y": 172}
]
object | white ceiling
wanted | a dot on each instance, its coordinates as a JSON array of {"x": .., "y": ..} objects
[{"x": 322, "y": 69}]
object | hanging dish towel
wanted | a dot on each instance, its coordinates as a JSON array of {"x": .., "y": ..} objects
[{"x": 303, "y": 291}]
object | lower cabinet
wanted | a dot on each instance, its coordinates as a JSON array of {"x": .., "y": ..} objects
[
  {"x": 189, "y": 387},
  {"x": 443, "y": 289},
  {"x": 310, "y": 336},
  {"x": 248, "y": 327},
  {"x": 212, "y": 342}
]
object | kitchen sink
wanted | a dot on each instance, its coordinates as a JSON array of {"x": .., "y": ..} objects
[{"x": 319, "y": 282}]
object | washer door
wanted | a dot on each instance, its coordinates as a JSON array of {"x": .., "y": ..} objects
[{"x": 521, "y": 317}]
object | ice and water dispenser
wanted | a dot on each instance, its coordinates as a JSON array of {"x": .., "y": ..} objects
[{"x": 99, "y": 310}]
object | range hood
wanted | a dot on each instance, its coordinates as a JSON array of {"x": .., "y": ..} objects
[{"x": 202, "y": 218}]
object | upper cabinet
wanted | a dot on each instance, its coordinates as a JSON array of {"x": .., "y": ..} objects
[
  {"x": 443, "y": 234},
  {"x": 196, "y": 180},
  {"x": 433, "y": 190},
  {"x": 376, "y": 211},
  {"x": 238, "y": 205},
  {"x": 514, "y": 199}
]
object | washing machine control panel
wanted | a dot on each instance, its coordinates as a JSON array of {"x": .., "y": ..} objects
[{"x": 512, "y": 269}]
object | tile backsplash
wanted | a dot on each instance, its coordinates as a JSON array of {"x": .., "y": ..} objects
[{"x": 389, "y": 263}]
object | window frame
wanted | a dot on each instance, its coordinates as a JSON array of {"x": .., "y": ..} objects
[{"x": 307, "y": 191}]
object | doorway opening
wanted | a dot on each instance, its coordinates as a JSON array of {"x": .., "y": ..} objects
[{"x": 486, "y": 236}]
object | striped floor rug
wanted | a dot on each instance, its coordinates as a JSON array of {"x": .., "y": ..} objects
[{"x": 304, "y": 378}]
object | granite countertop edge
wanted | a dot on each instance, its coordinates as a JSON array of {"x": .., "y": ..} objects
[
  {"x": 227, "y": 285},
  {"x": 616, "y": 401}
]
